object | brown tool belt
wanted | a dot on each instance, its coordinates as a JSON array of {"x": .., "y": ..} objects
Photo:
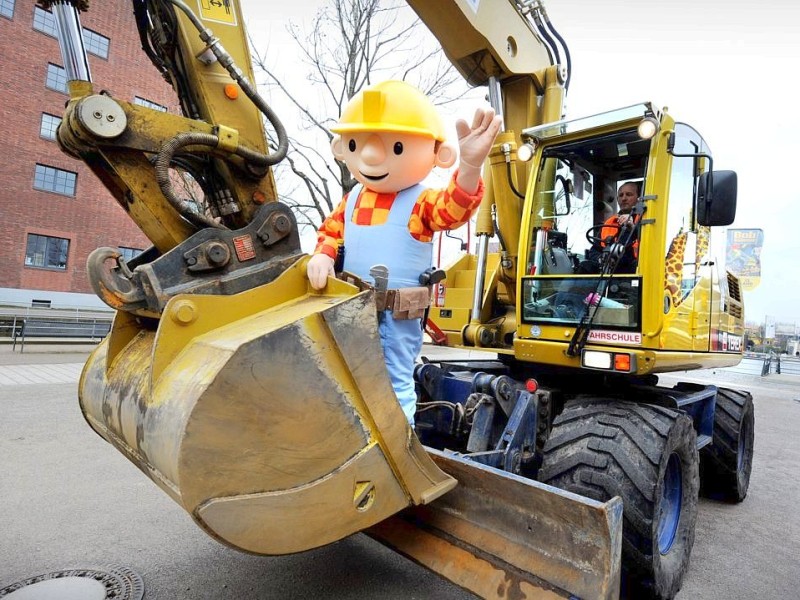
[{"x": 405, "y": 303}]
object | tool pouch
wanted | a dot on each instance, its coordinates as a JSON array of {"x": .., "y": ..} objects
[{"x": 409, "y": 303}]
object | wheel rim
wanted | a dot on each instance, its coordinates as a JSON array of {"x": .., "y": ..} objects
[{"x": 670, "y": 510}]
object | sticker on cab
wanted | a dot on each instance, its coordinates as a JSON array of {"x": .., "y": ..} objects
[{"x": 602, "y": 336}]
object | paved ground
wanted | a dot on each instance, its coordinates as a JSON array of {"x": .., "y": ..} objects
[{"x": 67, "y": 500}]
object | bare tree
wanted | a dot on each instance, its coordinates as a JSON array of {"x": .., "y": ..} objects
[{"x": 351, "y": 43}]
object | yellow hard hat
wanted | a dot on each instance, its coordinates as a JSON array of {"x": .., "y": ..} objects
[{"x": 391, "y": 106}]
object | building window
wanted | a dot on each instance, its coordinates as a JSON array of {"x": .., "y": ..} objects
[
  {"x": 129, "y": 253},
  {"x": 48, "y": 127},
  {"x": 44, "y": 21},
  {"x": 95, "y": 43},
  {"x": 55, "y": 180},
  {"x": 148, "y": 104},
  {"x": 7, "y": 8},
  {"x": 56, "y": 78},
  {"x": 46, "y": 252}
]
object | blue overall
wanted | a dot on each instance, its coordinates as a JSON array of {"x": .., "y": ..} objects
[{"x": 391, "y": 244}]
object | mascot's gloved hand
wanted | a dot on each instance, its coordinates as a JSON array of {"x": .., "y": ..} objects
[
  {"x": 474, "y": 143},
  {"x": 319, "y": 268}
]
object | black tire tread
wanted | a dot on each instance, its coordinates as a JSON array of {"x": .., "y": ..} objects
[
  {"x": 720, "y": 475},
  {"x": 601, "y": 448}
]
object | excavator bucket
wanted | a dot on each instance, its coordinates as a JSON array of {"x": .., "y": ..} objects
[
  {"x": 267, "y": 415},
  {"x": 270, "y": 418}
]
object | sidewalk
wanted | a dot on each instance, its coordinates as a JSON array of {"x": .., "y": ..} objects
[
  {"x": 42, "y": 363},
  {"x": 49, "y": 353},
  {"x": 38, "y": 374}
]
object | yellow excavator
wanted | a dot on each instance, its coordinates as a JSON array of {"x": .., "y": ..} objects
[{"x": 552, "y": 468}]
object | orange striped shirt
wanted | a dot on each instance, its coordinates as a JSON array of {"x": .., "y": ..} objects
[{"x": 435, "y": 210}]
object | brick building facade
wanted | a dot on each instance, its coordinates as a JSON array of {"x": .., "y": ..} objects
[{"x": 54, "y": 211}]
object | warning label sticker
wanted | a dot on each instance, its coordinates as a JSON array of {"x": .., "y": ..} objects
[
  {"x": 219, "y": 11},
  {"x": 633, "y": 338},
  {"x": 244, "y": 248},
  {"x": 726, "y": 342}
]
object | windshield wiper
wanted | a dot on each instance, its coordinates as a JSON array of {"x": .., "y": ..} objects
[{"x": 613, "y": 253}]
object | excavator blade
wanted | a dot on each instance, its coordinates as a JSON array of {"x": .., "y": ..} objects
[
  {"x": 503, "y": 536},
  {"x": 267, "y": 415}
]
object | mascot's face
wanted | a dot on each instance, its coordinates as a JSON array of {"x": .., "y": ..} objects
[{"x": 387, "y": 162}]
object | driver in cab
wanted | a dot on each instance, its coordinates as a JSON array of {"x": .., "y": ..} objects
[{"x": 615, "y": 226}]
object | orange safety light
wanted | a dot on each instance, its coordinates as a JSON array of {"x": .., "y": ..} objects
[
  {"x": 622, "y": 362},
  {"x": 232, "y": 91}
]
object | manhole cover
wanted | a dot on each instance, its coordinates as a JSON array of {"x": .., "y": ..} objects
[{"x": 114, "y": 582}]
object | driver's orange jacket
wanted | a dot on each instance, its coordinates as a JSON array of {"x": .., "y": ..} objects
[
  {"x": 611, "y": 229},
  {"x": 435, "y": 210}
]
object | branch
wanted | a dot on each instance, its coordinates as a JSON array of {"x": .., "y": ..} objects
[{"x": 350, "y": 44}]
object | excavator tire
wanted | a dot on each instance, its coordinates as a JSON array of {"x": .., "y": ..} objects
[
  {"x": 725, "y": 464},
  {"x": 647, "y": 455}
]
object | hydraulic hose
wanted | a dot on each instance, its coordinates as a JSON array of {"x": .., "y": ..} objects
[
  {"x": 511, "y": 185},
  {"x": 166, "y": 158},
  {"x": 235, "y": 72},
  {"x": 563, "y": 43},
  {"x": 162, "y": 164},
  {"x": 529, "y": 9},
  {"x": 497, "y": 231},
  {"x": 548, "y": 39}
]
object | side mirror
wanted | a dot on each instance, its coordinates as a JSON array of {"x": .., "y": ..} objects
[{"x": 716, "y": 198}]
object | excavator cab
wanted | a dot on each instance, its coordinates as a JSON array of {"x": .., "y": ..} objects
[
  {"x": 567, "y": 253},
  {"x": 654, "y": 271},
  {"x": 571, "y": 208}
]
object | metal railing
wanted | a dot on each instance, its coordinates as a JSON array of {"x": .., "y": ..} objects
[
  {"x": 27, "y": 310},
  {"x": 771, "y": 363},
  {"x": 766, "y": 369},
  {"x": 13, "y": 316},
  {"x": 61, "y": 329},
  {"x": 764, "y": 364},
  {"x": 786, "y": 365}
]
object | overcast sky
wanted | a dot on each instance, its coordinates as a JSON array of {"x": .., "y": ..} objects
[{"x": 729, "y": 68}]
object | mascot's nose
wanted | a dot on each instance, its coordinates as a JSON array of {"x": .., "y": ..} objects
[{"x": 373, "y": 152}]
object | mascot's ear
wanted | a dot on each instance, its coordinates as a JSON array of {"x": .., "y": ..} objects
[
  {"x": 337, "y": 148},
  {"x": 446, "y": 155}
]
